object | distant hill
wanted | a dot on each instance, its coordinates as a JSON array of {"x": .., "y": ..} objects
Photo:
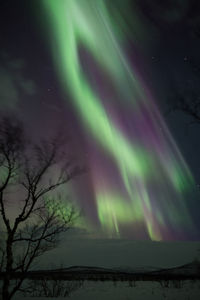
[
  {"x": 192, "y": 268},
  {"x": 190, "y": 271}
]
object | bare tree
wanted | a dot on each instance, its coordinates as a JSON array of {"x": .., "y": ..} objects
[
  {"x": 28, "y": 183},
  {"x": 51, "y": 288}
]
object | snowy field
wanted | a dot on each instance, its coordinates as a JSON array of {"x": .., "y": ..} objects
[{"x": 124, "y": 291}]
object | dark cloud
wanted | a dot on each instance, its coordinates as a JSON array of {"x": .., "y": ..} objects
[
  {"x": 13, "y": 82},
  {"x": 165, "y": 15}
]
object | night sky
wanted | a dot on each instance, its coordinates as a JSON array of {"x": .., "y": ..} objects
[{"x": 108, "y": 75}]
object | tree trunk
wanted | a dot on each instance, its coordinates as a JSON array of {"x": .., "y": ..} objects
[
  {"x": 9, "y": 263},
  {"x": 5, "y": 289}
]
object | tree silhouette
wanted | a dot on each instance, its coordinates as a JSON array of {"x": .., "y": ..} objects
[{"x": 30, "y": 177}]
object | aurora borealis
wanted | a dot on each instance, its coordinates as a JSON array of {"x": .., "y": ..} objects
[
  {"x": 138, "y": 175},
  {"x": 105, "y": 74}
]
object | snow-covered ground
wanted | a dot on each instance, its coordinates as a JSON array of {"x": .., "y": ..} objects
[
  {"x": 129, "y": 256},
  {"x": 123, "y": 291},
  {"x": 139, "y": 290}
]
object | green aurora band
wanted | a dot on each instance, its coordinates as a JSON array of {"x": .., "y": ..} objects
[{"x": 86, "y": 24}]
